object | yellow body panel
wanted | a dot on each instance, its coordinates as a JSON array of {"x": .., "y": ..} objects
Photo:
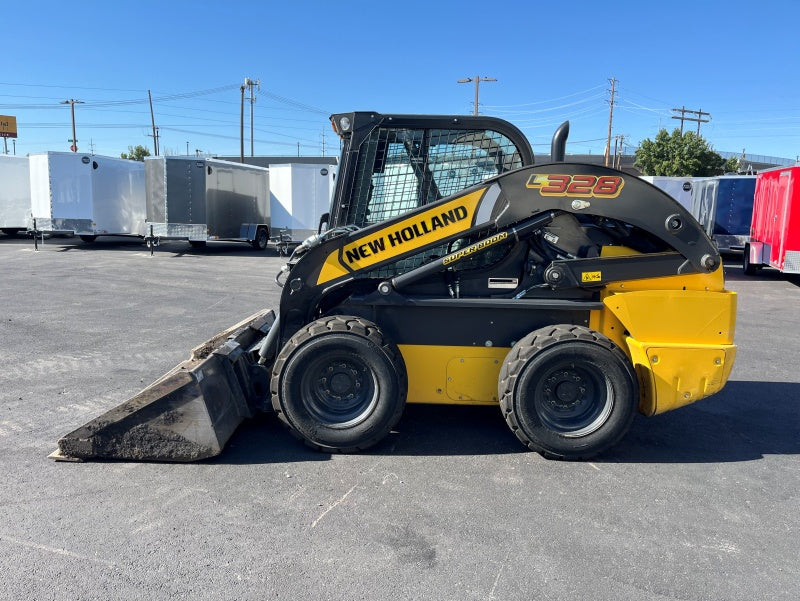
[
  {"x": 678, "y": 332},
  {"x": 671, "y": 376},
  {"x": 462, "y": 375}
]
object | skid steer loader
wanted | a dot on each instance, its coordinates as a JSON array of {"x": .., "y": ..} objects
[{"x": 450, "y": 269}]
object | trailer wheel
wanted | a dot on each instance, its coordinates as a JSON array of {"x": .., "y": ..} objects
[
  {"x": 11, "y": 231},
  {"x": 748, "y": 267},
  {"x": 88, "y": 239},
  {"x": 197, "y": 243},
  {"x": 568, "y": 392},
  {"x": 339, "y": 384},
  {"x": 262, "y": 239}
]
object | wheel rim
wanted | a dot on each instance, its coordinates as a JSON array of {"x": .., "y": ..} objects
[
  {"x": 340, "y": 390},
  {"x": 573, "y": 400}
]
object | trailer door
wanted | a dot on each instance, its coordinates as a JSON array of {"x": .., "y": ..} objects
[
  {"x": 787, "y": 242},
  {"x": 71, "y": 187}
]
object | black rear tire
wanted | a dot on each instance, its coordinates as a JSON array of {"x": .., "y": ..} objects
[
  {"x": 262, "y": 239},
  {"x": 568, "y": 392},
  {"x": 88, "y": 239},
  {"x": 339, "y": 384}
]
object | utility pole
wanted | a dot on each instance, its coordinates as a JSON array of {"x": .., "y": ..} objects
[
  {"x": 683, "y": 111},
  {"x": 153, "y": 121},
  {"x": 155, "y": 137},
  {"x": 251, "y": 84},
  {"x": 477, "y": 79},
  {"x": 187, "y": 148},
  {"x": 618, "y": 140},
  {"x": 241, "y": 128},
  {"x": 613, "y": 82},
  {"x": 72, "y": 102}
]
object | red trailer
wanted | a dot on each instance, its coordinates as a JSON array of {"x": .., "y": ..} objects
[{"x": 775, "y": 228}]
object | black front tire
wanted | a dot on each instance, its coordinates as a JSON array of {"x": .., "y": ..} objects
[
  {"x": 262, "y": 239},
  {"x": 339, "y": 384},
  {"x": 568, "y": 392}
]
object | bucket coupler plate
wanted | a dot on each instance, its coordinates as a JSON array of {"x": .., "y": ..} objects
[{"x": 188, "y": 414}]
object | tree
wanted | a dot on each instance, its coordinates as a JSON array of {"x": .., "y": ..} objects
[
  {"x": 136, "y": 153},
  {"x": 684, "y": 155}
]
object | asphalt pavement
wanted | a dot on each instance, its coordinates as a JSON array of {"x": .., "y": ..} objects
[{"x": 697, "y": 504}]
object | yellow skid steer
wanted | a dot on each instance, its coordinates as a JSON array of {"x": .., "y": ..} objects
[{"x": 451, "y": 269}]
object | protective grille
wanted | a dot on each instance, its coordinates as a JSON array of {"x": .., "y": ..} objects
[
  {"x": 401, "y": 169},
  {"x": 791, "y": 262}
]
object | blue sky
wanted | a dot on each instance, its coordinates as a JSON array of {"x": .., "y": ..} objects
[{"x": 552, "y": 61}]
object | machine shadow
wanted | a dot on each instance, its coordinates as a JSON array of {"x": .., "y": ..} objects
[
  {"x": 735, "y": 273},
  {"x": 744, "y": 422},
  {"x": 436, "y": 430},
  {"x": 170, "y": 248}
]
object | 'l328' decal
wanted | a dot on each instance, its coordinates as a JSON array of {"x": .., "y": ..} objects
[{"x": 580, "y": 186}]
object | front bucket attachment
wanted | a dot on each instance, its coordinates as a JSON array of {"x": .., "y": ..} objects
[{"x": 191, "y": 412}]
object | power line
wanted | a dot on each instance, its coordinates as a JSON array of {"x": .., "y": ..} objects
[
  {"x": 70, "y": 87},
  {"x": 224, "y": 137},
  {"x": 552, "y": 108},
  {"x": 542, "y": 101},
  {"x": 144, "y": 100}
]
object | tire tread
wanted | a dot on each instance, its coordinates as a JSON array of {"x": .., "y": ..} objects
[
  {"x": 526, "y": 348},
  {"x": 332, "y": 324}
]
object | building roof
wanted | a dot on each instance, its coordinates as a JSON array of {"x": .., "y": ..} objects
[{"x": 266, "y": 161}]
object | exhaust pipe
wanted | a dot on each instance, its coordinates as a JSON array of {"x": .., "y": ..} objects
[{"x": 559, "y": 144}]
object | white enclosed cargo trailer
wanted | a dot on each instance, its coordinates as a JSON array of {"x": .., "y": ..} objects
[
  {"x": 202, "y": 199},
  {"x": 680, "y": 188},
  {"x": 87, "y": 195},
  {"x": 299, "y": 195},
  {"x": 118, "y": 196},
  {"x": 15, "y": 194}
]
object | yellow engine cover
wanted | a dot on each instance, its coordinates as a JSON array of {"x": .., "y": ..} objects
[{"x": 680, "y": 342}]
